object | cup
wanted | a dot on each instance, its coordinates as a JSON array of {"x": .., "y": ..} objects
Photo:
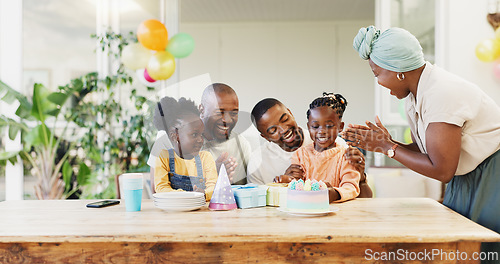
[{"x": 132, "y": 191}]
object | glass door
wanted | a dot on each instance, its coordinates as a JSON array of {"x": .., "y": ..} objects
[{"x": 418, "y": 17}]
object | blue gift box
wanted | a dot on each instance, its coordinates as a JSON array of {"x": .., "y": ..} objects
[{"x": 250, "y": 195}]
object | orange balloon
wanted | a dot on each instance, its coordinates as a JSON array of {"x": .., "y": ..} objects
[
  {"x": 152, "y": 34},
  {"x": 161, "y": 65}
]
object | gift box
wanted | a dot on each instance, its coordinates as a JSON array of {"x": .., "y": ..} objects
[
  {"x": 250, "y": 195},
  {"x": 276, "y": 194}
]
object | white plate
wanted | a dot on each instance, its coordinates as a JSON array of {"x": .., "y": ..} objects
[
  {"x": 180, "y": 209},
  {"x": 179, "y": 200},
  {"x": 179, "y": 204},
  {"x": 309, "y": 214},
  {"x": 178, "y": 195}
]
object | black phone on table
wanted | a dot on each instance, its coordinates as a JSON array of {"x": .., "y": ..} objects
[{"x": 103, "y": 203}]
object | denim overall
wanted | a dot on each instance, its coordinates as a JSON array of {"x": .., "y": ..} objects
[{"x": 183, "y": 181}]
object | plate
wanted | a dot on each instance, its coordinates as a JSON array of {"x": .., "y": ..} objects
[
  {"x": 180, "y": 209},
  {"x": 309, "y": 214},
  {"x": 178, "y": 195},
  {"x": 178, "y": 204}
]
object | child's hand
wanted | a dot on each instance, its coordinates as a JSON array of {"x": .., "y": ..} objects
[
  {"x": 295, "y": 171},
  {"x": 229, "y": 162},
  {"x": 197, "y": 189},
  {"x": 283, "y": 179}
]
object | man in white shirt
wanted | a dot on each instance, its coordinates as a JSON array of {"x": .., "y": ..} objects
[{"x": 219, "y": 112}]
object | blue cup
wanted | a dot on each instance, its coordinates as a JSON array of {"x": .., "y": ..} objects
[{"x": 132, "y": 191}]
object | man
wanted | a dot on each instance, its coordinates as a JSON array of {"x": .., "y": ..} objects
[
  {"x": 219, "y": 112},
  {"x": 272, "y": 162}
]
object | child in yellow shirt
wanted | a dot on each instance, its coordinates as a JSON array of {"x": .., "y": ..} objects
[
  {"x": 184, "y": 167},
  {"x": 324, "y": 159}
]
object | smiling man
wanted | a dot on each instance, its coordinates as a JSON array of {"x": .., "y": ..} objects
[
  {"x": 272, "y": 160},
  {"x": 219, "y": 110}
]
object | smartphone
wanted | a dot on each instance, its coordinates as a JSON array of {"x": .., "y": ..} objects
[{"x": 104, "y": 203}]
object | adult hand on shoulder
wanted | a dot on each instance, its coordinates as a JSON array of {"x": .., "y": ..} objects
[
  {"x": 355, "y": 158},
  {"x": 229, "y": 162},
  {"x": 372, "y": 137}
]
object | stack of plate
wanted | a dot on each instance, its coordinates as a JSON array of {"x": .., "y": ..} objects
[{"x": 179, "y": 201}]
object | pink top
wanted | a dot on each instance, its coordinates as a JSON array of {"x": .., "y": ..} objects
[{"x": 329, "y": 166}]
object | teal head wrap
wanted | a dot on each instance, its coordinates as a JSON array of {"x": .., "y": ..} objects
[{"x": 395, "y": 49}]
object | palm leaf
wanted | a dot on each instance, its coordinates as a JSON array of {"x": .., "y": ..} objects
[
  {"x": 11, "y": 94},
  {"x": 9, "y": 155}
]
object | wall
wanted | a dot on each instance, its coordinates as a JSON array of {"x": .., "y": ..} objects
[
  {"x": 291, "y": 61},
  {"x": 465, "y": 26}
]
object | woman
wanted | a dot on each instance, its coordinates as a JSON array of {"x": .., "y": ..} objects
[{"x": 455, "y": 126}]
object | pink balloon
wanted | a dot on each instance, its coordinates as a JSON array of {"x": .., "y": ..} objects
[
  {"x": 147, "y": 77},
  {"x": 141, "y": 77},
  {"x": 496, "y": 69}
]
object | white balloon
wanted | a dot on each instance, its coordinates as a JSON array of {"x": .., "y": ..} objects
[
  {"x": 135, "y": 56},
  {"x": 140, "y": 76}
]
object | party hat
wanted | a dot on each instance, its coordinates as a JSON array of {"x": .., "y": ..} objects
[{"x": 223, "y": 197}]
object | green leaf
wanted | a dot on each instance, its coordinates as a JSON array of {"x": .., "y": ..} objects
[
  {"x": 24, "y": 112},
  {"x": 53, "y": 112},
  {"x": 83, "y": 174},
  {"x": 9, "y": 98},
  {"x": 41, "y": 105},
  {"x": 12, "y": 93},
  {"x": 67, "y": 172},
  {"x": 10, "y": 156},
  {"x": 37, "y": 136},
  {"x": 95, "y": 155},
  {"x": 13, "y": 131},
  {"x": 58, "y": 98}
]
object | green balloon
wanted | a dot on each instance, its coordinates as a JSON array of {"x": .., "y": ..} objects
[
  {"x": 407, "y": 136},
  {"x": 402, "y": 109},
  {"x": 181, "y": 45}
]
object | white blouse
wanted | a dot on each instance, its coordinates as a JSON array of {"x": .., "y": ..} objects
[{"x": 445, "y": 97}]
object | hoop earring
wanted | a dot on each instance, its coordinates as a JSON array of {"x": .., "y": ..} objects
[{"x": 400, "y": 78}]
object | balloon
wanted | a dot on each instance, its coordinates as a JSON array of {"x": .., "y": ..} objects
[
  {"x": 402, "y": 109},
  {"x": 497, "y": 33},
  {"x": 147, "y": 77},
  {"x": 496, "y": 69},
  {"x": 407, "y": 136},
  {"x": 161, "y": 65},
  {"x": 488, "y": 50},
  {"x": 181, "y": 45},
  {"x": 135, "y": 56},
  {"x": 152, "y": 34},
  {"x": 141, "y": 77}
]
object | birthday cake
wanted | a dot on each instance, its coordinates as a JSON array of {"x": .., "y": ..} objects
[{"x": 308, "y": 196}]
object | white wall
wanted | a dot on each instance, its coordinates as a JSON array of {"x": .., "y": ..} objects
[
  {"x": 466, "y": 26},
  {"x": 291, "y": 61}
]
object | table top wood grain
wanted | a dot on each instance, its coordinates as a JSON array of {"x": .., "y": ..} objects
[{"x": 401, "y": 220}]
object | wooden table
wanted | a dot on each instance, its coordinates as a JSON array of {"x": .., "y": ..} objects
[{"x": 364, "y": 230}]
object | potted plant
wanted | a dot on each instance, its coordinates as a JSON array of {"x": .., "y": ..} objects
[{"x": 36, "y": 122}]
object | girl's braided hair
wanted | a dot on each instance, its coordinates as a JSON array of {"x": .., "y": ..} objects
[
  {"x": 336, "y": 101},
  {"x": 169, "y": 112}
]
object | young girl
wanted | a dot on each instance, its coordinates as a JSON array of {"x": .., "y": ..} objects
[
  {"x": 184, "y": 167},
  {"x": 324, "y": 159}
]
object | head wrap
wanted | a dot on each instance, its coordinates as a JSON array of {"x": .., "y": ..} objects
[{"x": 395, "y": 49}]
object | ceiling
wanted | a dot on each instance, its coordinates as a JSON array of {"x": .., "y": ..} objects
[
  {"x": 275, "y": 10},
  {"x": 51, "y": 12}
]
